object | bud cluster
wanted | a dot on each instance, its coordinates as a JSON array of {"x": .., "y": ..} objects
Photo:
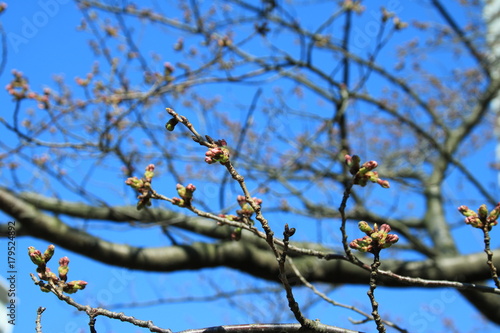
[
  {"x": 244, "y": 215},
  {"x": 45, "y": 274},
  {"x": 143, "y": 186},
  {"x": 246, "y": 209},
  {"x": 186, "y": 195},
  {"x": 481, "y": 218},
  {"x": 376, "y": 238},
  {"x": 218, "y": 154},
  {"x": 18, "y": 87},
  {"x": 364, "y": 173},
  {"x": 236, "y": 233}
]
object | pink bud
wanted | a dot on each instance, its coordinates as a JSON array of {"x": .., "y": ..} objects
[
  {"x": 64, "y": 261},
  {"x": 385, "y": 228}
]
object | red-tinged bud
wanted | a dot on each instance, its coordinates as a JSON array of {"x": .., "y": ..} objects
[
  {"x": 179, "y": 45},
  {"x": 73, "y": 286},
  {"x": 36, "y": 256},
  {"x": 257, "y": 201},
  {"x": 64, "y": 261},
  {"x": 370, "y": 165},
  {"x": 178, "y": 202},
  {"x": 385, "y": 228},
  {"x": 168, "y": 68},
  {"x": 81, "y": 82},
  {"x": 465, "y": 211},
  {"x": 241, "y": 200},
  {"x": 391, "y": 239},
  {"x": 186, "y": 192},
  {"x": 383, "y": 183},
  {"x": 149, "y": 173},
  {"x": 494, "y": 214},
  {"x": 376, "y": 239},
  {"x": 135, "y": 182},
  {"x": 47, "y": 255},
  {"x": 63, "y": 272},
  {"x": 474, "y": 221},
  {"x": 362, "y": 244},
  {"x": 217, "y": 154}
]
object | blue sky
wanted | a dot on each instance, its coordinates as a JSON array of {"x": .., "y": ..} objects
[{"x": 42, "y": 42}]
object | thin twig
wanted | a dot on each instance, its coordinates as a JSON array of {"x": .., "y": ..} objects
[
  {"x": 488, "y": 252},
  {"x": 94, "y": 312},
  {"x": 294, "y": 306},
  {"x": 371, "y": 293},
  {"x": 38, "y": 320},
  {"x": 345, "y": 243},
  {"x": 335, "y": 303}
]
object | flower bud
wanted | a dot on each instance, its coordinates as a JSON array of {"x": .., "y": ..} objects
[
  {"x": 47, "y": 255},
  {"x": 178, "y": 202},
  {"x": 362, "y": 244},
  {"x": 364, "y": 227},
  {"x": 483, "y": 211},
  {"x": 383, "y": 183},
  {"x": 385, "y": 228},
  {"x": 353, "y": 163},
  {"x": 36, "y": 256},
  {"x": 149, "y": 173},
  {"x": 73, "y": 286},
  {"x": 474, "y": 221},
  {"x": 494, "y": 214},
  {"x": 135, "y": 182},
  {"x": 370, "y": 165},
  {"x": 465, "y": 211},
  {"x": 170, "y": 125}
]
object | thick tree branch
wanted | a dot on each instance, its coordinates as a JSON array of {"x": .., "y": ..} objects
[{"x": 241, "y": 255}]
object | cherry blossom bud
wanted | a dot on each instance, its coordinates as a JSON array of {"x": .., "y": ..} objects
[
  {"x": 383, "y": 183},
  {"x": 364, "y": 227},
  {"x": 63, "y": 268},
  {"x": 135, "y": 182},
  {"x": 483, "y": 212},
  {"x": 466, "y": 211},
  {"x": 494, "y": 214},
  {"x": 149, "y": 173},
  {"x": 36, "y": 256},
  {"x": 47, "y": 255},
  {"x": 73, "y": 286}
]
